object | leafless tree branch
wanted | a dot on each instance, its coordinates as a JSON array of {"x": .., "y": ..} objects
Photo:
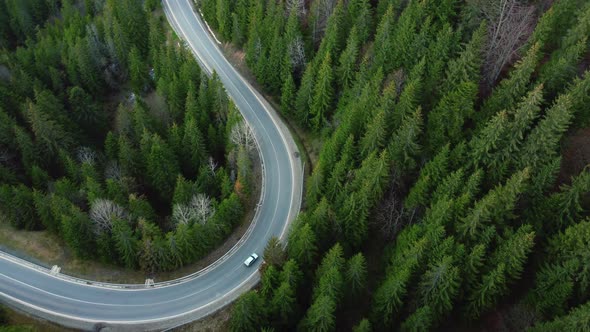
[
  {"x": 200, "y": 209},
  {"x": 212, "y": 165},
  {"x": 321, "y": 11},
  {"x": 86, "y": 155},
  {"x": 297, "y": 5},
  {"x": 510, "y": 23},
  {"x": 242, "y": 135},
  {"x": 103, "y": 212},
  {"x": 297, "y": 53},
  {"x": 390, "y": 214}
]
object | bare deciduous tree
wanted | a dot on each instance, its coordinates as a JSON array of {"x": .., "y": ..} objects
[
  {"x": 297, "y": 54},
  {"x": 103, "y": 212},
  {"x": 321, "y": 11},
  {"x": 212, "y": 165},
  {"x": 391, "y": 215},
  {"x": 296, "y": 5},
  {"x": 242, "y": 135},
  {"x": 182, "y": 214},
  {"x": 510, "y": 23},
  {"x": 203, "y": 208},
  {"x": 86, "y": 155},
  {"x": 200, "y": 209}
]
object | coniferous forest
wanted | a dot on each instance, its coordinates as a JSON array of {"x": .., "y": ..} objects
[
  {"x": 441, "y": 198},
  {"x": 111, "y": 136},
  {"x": 451, "y": 191}
]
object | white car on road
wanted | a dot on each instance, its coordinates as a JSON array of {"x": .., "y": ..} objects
[{"x": 251, "y": 259}]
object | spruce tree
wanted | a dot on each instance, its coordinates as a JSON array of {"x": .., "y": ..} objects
[
  {"x": 439, "y": 286},
  {"x": 302, "y": 244},
  {"x": 512, "y": 88},
  {"x": 162, "y": 166},
  {"x": 542, "y": 142},
  {"x": 467, "y": 66},
  {"x": 288, "y": 95},
  {"x": 249, "y": 313},
  {"x": 348, "y": 59},
  {"x": 321, "y": 315},
  {"x": 305, "y": 95},
  {"x": 446, "y": 122},
  {"x": 137, "y": 71},
  {"x": 356, "y": 274},
  {"x": 563, "y": 64},
  {"x": 322, "y": 98}
]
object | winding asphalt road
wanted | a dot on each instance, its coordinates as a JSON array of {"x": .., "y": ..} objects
[{"x": 91, "y": 305}]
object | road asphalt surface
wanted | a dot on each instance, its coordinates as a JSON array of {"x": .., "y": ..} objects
[{"x": 92, "y": 305}]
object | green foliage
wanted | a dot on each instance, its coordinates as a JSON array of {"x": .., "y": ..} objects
[
  {"x": 248, "y": 313},
  {"x": 161, "y": 164},
  {"x": 389, "y": 297},
  {"x": 274, "y": 252},
  {"x": 137, "y": 71},
  {"x": 568, "y": 258},
  {"x": 512, "y": 88},
  {"x": 562, "y": 66},
  {"x": 302, "y": 243},
  {"x": 305, "y": 95},
  {"x": 486, "y": 292},
  {"x": 288, "y": 94},
  {"x": 553, "y": 287},
  {"x": 405, "y": 146},
  {"x": 356, "y": 274},
  {"x": 446, "y": 121},
  {"x": 494, "y": 207},
  {"x": 126, "y": 243},
  {"x": 322, "y": 98},
  {"x": 543, "y": 140},
  {"x": 363, "y": 326},
  {"x": 440, "y": 286},
  {"x": 76, "y": 230},
  {"x": 578, "y": 319},
  {"x": 321, "y": 315},
  {"x": 431, "y": 174},
  {"x": 348, "y": 59},
  {"x": 405, "y": 138},
  {"x": 283, "y": 303},
  {"x": 420, "y": 320},
  {"x": 467, "y": 66},
  {"x": 18, "y": 205}
]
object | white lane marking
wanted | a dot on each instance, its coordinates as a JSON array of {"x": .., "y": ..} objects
[
  {"x": 238, "y": 91},
  {"x": 285, "y": 143},
  {"x": 121, "y": 287},
  {"x": 277, "y": 126},
  {"x": 211, "y": 31},
  {"x": 109, "y": 304},
  {"x": 274, "y": 214},
  {"x": 124, "y": 322},
  {"x": 178, "y": 29}
]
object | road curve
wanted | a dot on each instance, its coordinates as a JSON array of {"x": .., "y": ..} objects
[{"x": 91, "y": 305}]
